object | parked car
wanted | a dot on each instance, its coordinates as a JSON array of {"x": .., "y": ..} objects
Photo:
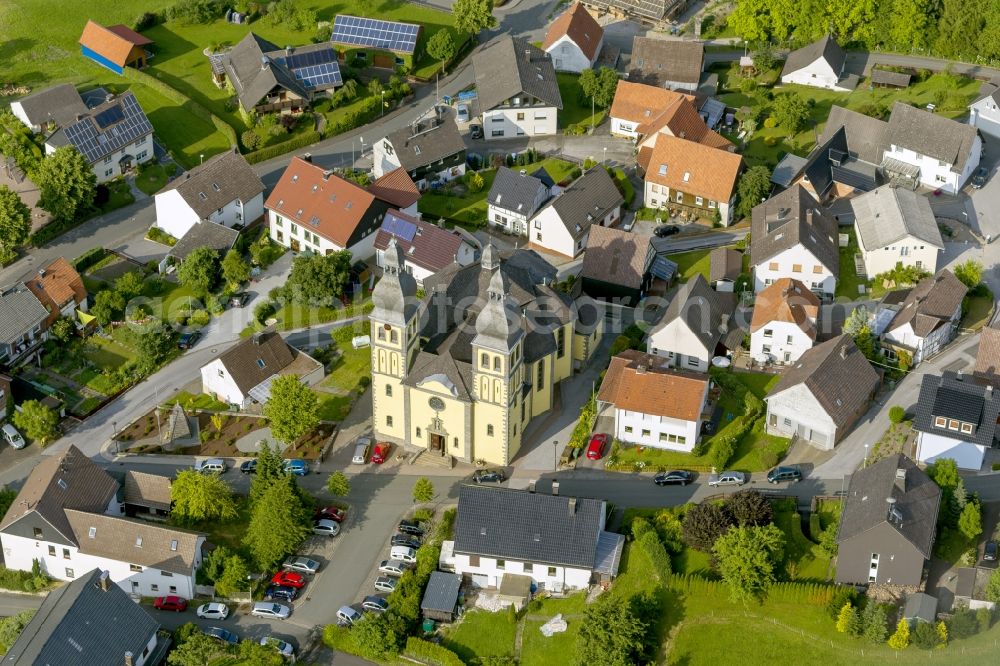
[
  {"x": 213, "y": 611},
  {"x": 171, "y": 603},
  {"x": 488, "y": 476},
  {"x": 361, "y": 449},
  {"x": 476, "y": 131},
  {"x": 982, "y": 175},
  {"x": 779, "y": 474},
  {"x": 463, "y": 113},
  {"x": 289, "y": 579},
  {"x": 188, "y": 340},
  {"x": 347, "y": 616},
  {"x": 13, "y": 437},
  {"x": 381, "y": 453},
  {"x": 269, "y": 609},
  {"x": 296, "y": 466},
  {"x": 727, "y": 479},
  {"x": 284, "y": 649},
  {"x": 595, "y": 449},
  {"x": 405, "y": 540},
  {"x": 403, "y": 554},
  {"x": 411, "y": 527},
  {"x": 238, "y": 300},
  {"x": 301, "y": 564},
  {"x": 249, "y": 466},
  {"x": 282, "y": 592},
  {"x": 211, "y": 466},
  {"x": 330, "y": 513},
  {"x": 990, "y": 552},
  {"x": 676, "y": 477},
  {"x": 392, "y": 567},
  {"x": 326, "y": 527},
  {"x": 222, "y": 635},
  {"x": 375, "y": 603},
  {"x": 385, "y": 584},
  {"x": 665, "y": 230}
]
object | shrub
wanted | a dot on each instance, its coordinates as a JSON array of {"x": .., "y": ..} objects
[
  {"x": 145, "y": 21},
  {"x": 963, "y": 623},
  {"x": 250, "y": 139},
  {"x": 278, "y": 149},
  {"x": 925, "y": 635},
  {"x": 263, "y": 311},
  {"x": 199, "y": 318},
  {"x": 984, "y": 617},
  {"x": 770, "y": 122},
  {"x": 430, "y": 653},
  {"x": 722, "y": 450},
  {"x": 896, "y": 414},
  {"x": 89, "y": 258},
  {"x": 842, "y": 595}
]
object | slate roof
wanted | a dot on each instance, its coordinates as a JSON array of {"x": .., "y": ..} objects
[
  {"x": 837, "y": 374},
  {"x": 60, "y": 104},
  {"x": 645, "y": 383},
  {"x": 724, "y": 264},
  {"x": 589, "y": 198},
  {"x": 961, "y": 398},
  {"x": 123, "y": 123},
  {"x": 920, "y": 606},
  {"x": 528, "y": 527},
  {"x": 203, "y": 233},
  {"x": 441, "y": 593},
  {"x": 222, "y": 179},
  {"x": 886, "y": 78},
  {"x": 888, "y": 214},
  {"x": 929, "y": 134},
  {"x": 988, "y": 355},
  {"x": 704, "y": 311},
  {"x": 650, "y": 10},
  {"x": 616, "y": 257},
  {"x": 930, "y": 304},
  {"x": 57, "y": 284},
  {"x": 694, "y": 168},
  {"x": 141, "y": 542},
  {"x": 20, "y": 311},
  {"x": 507, "y": 66},
  {"x": 577, "y": 24},
  {"x": 433, "y": 138},
  {"x": 865, "y": 506},
  {"x": 786, "y": 300},
  {"x": 826, "y": 48},
  {"x": 68, "y": 480},
  {"x": 516, "y": 192},
  {"x": 867, "y": 137},
  {"x": 149, "y": 490},
  {"x": 244, "y": 66},
  {"x": 396, "y": 188},
  {"x": 245, "y": 359},
  {"x": 114, "y": 42},
  {"x": 431, "y": 247},
  {"x": 79, "y": 623},
  {"x": 659, "y": 61},
  {"x": 791, "y": 218}
]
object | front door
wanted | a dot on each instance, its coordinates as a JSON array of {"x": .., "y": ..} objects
[{"x": 437, "y": 442}]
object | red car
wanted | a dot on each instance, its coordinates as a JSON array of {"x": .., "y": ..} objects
[
  {"x": 381, "y": 453},
  {"x": 330, "y": 513},
  {"x": 595, "y": 450},
  {"x": 176, "y": 604},
  {"x": 289, "y": 579}
]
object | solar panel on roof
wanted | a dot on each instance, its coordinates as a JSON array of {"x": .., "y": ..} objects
[
  {"x": 109, "y": 117},
  {"x": 89, "y": 137},
  {"x": 310, "y": 58},
  {"x": 399, "y": 227},
  {"x": 315, "y": 76},
  {"x": 375, "y": 33}
]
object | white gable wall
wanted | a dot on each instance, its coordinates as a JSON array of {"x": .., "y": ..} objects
[
  {"x": 18, "y": 110},
  {"x": 487, "y": 573},
  {"x": 931, "y": 447},
  {"x": 109, "y": 167},
  {"x": 909, "y": 251},
  {"x": 784, "y": 265},
  {"x": 677, "y": 342},
  {"x": 384, "y": 158},
  {"x": 796, "y": 411},
  {"x": 568, "y": 57},
  {"x": 660, "y": 432},
  {"x": 511, "y": 121},
  {"x": 983, "y": 115},
  {"x": 216, "y": 381},
  {"x": 936, "y": 174},
  {"x": 626, "y": 128},
  {"x": 818, "y": 74},
  {"x": 781, "y": 341}
]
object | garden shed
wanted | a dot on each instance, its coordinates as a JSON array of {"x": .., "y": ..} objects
[{"x": 440, "y": 600}]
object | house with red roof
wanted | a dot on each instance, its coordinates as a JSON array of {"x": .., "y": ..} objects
[
  {"x": 397, "y": 189},
  {"x": 426, "y": 248},
  {"x": 574, "y": 40},
  {"x": 114, "y": 47},
  {"x": 60, "y": 289}
]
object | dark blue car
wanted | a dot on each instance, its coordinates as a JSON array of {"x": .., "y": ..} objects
[
  {"x": 280, "y": 592},
  {"x": 222, "y": 635}
]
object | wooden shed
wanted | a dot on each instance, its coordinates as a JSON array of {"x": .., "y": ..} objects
[{"x": 440, "y": 600}]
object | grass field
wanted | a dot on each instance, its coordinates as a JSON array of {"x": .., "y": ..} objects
[
  {"x": 848, "y": 282},
  {"x": 692, "y": 263},
  {"x": 152, "y": 178},
  {"x": 481, "y": 633},
  {"x": 576, "y": 106},
  {"x": 979, "y": 311},
  {"x": 810, "y": 563}
]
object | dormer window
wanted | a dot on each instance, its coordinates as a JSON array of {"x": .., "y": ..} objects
[
  {"x": 202, "y": 196},
  {"x": 940, "y": 422},
  {"x": 967, "y": 428},
  {"x": 952, "y": 424}
]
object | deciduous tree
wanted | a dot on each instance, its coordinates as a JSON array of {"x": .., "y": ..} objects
[
  {"x": 129, "y": 285},
  {"x": 423, "y": 490},
  {"x": 197, "y": 497},
  {"x": 12, "y": 626},
  {"x": 749, "y": 507},
  {"x": 791, "y": 111},
  {"x": 610, "y": 634},
  {"x": 199, "y": 271},
  {"x": 704, "y": 524},
  {"x": 473, "y": 16},
  {"x": 63, "y": 329},
  {"x": 747, "y": 559},
  {"x": 969, "y": 273},
  {"x": 441, "y": 45},
  {"x": 66, "y": 184},
  {"x": 154, "y": 342},
  {"x": 338, "y": 485},
  {"x": 376, "y": 637},
  {"x": 15, "y": 223},
  {"x": 970, "y": 522},
  {"x": 319, "y": 279},
  {"x": 233, "y": 578},
  {"x": 293, "y": 409},
  {"x": 754, "y": 186},
  {"x": 37, "y": 421},
  {"x": 108, "y": 306},
  {"x": 277, "y": 524},
  {"x": 235, "y": 269},
  {"x": 197, "y": 650}
]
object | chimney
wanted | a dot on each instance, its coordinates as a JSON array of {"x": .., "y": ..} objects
[
  {"x": 572, "y": 506},
  {"x": 104, "y": 581},
  {"x": 256, "y": 338},
  {"x": 288, "y": 50},
  {"x": 41, "y": 272},
  {"x": 724, "y": 323},
  {"x": 327, "y": 174},
  {"x": 108, "y": 97},
  {"x": 901, "y": 479},
  {"x": 527, "y": 54},
  {"x": 682, "y": 135},
  {"x": 128, "y": 659},
  {"x": 555, "y": 487},
  {"x": 640, "y": 369},
  {"x": 843, "y": 352},
  {"x": 308, "y": 157},
  {"x": 958, "y": 375}
]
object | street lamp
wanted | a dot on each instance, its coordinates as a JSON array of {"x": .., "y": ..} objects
[
  {"x": 383, "y": 104},
  {"x": 114, "y": 436},
  {"x": 866, "y": 456},
  {"x": 605, "y": 160},
  {"x": 362, "y": 147},
  {"x": 555, "y": 455}
]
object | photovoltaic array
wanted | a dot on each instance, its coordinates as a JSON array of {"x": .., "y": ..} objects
[
  {"x": 374, "y": 33},
  {"x": 399, "y": 227},
  {"x": 109, "y": 130},
  {"x": 314, "y": 69}
]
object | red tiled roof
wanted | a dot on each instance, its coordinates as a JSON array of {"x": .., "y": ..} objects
[
  {"x": 640, "y": 382},
  {"x": 786, "y": 300},
  {"x": 577, "y": 24},
  {"x": 396, "y": 188},
  {"x": 432, "y": 247},
  {"x": 130, "y": 35},
  {"x": 686, "y": 166},
  {"x": 113, "y": 46},
  {"x": 59, "y": 285}
]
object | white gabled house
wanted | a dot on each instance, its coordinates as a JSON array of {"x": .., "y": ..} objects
[
  {"x": 984, "y": 112},
  {"x": 820, "y": 65},
  {"x": 515, "y": 198},
  {"x": 927, "y": 319},
  {"x": 956, "y": 418},
  {"x": 695, "y": 327},
  {"x": 895, "y": 226},
  {"x": 783, "y": 326},
  {"x": 574, "y": 40},
  {"x": 426, "y": 248},
  {"x": 563, "y": 225}
]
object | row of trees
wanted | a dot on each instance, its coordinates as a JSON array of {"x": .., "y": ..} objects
[{"x": 193, "y": 647}]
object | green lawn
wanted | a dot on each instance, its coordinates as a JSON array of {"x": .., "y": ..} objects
[
  {"x": 848, "y": 281},
  {"x": 200, "y": 401},
  {"x": 333, "y": 407},
  {"x": 119, "y": 195},
  {"x": 480, "y": 633},
  {"x": 690, "y": 264},
  {"x": 576, "y": 106},
  {"x": 979, "y": 310},
  {"x": 809, "y": 561},
  {"x": 152, "y": 177}
]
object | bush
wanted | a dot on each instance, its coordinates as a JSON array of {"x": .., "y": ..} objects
[
  {"x": 925, "y": 636},
  {"x": 963, "y": 623},
  {"x": 430, "y": 653},
  {"x": 896, "y": 414},
  {"x": 842, "y": 595},
  {"x": 722, "y": 450},
  {"x": 89, "y": 258},
  {"x": 250, "y": 139},
  {"x": 278, "y": 149},
  {"x": 263, "y": 311},
  {"x": 145, "y": 21},
  {"x": 984, "y": 617}
]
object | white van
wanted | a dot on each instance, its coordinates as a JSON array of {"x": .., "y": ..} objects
[
  {"x": 211, "y": 466},
  {"x": 403, "y": 554},
  {"x": 361, "y": 451},
  {"x": 13, "y": 437}
]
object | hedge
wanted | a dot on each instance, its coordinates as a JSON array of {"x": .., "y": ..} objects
[
  {"x": 430, "y": 653},
  {"x": 279, "y": 149},
  {"x": 89, "y": 258}
]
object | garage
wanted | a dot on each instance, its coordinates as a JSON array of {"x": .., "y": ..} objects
[{"x": 384, "y": 61}]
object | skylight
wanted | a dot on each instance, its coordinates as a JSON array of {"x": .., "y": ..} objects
[
  {"x": 687, "y": 176},
  {"x": 173, "y": 544},
  {"x": 663, "y": 169},
  {"x": 215, "y": 186},
  {"x": 260, "y": 363},
  {"x": 92, "y": 532},
  {"x": 138, "y": 542},
  {"x": 202, "y": 196}
]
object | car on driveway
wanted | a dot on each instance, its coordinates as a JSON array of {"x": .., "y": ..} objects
[
  {"x": 188, "y": 340},
  {"x": 411, "y": 527},
  {"x": 375, "y": 604},
  {"x": 326, "y": 527},
  {"x": 677, "y": 477},
  {"x": 283, "y": 592},
  {"x": 781, "y": 474},
  {"x": 665, "y": 230},
  {"x": 727, "y": 479},
  {"x": 990, "y": 551},
  {"x": 488, "y": 476},
  {"x": 979, "y": 180},
  {"x": 595, "y": 449},
  {"x": 289, "y": 579},
  {"x": 463, "y": 113},
  {"x": 221, "y": 634},
  {"x": 13, "y": 437},
  {"x": 405, "y": 540},
  {"x": 171, "y": 603},
  {"x": 385, "y": 584},
  {"x": 249, "y": 466},
  {"x": 330, "y": 513},
  {"x": 347, "y": 616},
  {"x": 269, "y": 609},
  {"x": 284, "y": 649},
  {"x": 213, "y": 611},
  {"x": 238, "y": 300},
  {"x": 296, "y": 466},
  {"x": 301, "y": 564}
]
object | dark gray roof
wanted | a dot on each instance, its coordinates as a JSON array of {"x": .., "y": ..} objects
[
  {"x": 930, "y": 304},
  {"x": 255, "y": 358},
  {"x": 788, "y": 170},
  {"x": 788, "y": 219},
  {"x": 724, "y": 264},
  {"x": 920, "y": 606},
  {"x": 707, "y": 313},
  {"x": 516, "y": 192},
  {"x": 20, "y": 311},
  {"x": 79, "y": 623},
  {"x": 658, "y": 61},
  {"x": 508, "y": 66},
  {"x": 837, "y": 374},
  {"x": 834, "y": 161},
  {"x": 616, "y": 257},
  {"x": 214, "y": 236},
  {"x": 886, "y": 78},
  {"x": 929, "y": 134},
  {"x": 256, "y": 66},
  {"x": 218, "y": 182},
  {"x": 433, "y": 138},
  {"x": 106, "y": 128},
  {"x": 589, "y": 198},
  {"x": 59, "y": 104},
  {"x": 528, "y": 527},
  {"x": 826, "y": 48},
  {"x": 609, "y": 553},
  {"x": 441, "y": 593},
  {"x": 963, "y": 399},
  {"x": 888, "y": 214},
  {"x": 867, "y": 137},
  {"x": 917, "y": 502}
]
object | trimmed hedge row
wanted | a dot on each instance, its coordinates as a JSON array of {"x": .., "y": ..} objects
[
  {"x": 89, "y": 258},
  {"x": 280, "y": 149},
  {"x": 430, "y": 653}
]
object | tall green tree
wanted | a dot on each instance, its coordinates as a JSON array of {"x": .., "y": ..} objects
[
  {"x": 129, "y": 285},
  {"x": 197, "y": 497},
  {"x": 235, "y": 269},
  {"x": 441, "y": 45},
  {"x": 108, "y": 306},
  {"x": 197, "y": 650},
  {"x": 376, "y": 637},
  {"x": 960, "y": 26},
  {"x": 610, "y": 634},
  {"x": 848, "y": 621},
  {"x": 319, "y": 279},
  {"x": 37, "y": 421},
  {"x": 751, "y": 20},
  {"x": 270, "y": 468},
  {"x": 423, "y": 490},
  {"x": 66, "y": 184},
  {"x": 233, "y": 578},
  {"x": 199, "y": 271},
  {"x": 874, "y": 622},
  {"x": 154, "y": 342},
  {"x": 969, "y": 273},
  {"x": 753, "y": 188},
  {"x": 12, "y": 626},
  {"x": 791, "y": 111},
  {"x": 252, "y": 653},
  {"x": 338, "y": 485},
  {"x": 15, "y": 223},
  {"x": 747, "y": 559},
  {"x": 970, "y": 522},
  {"x": 599, "y": 85},
  {"x": 292, "y": 409},
  {"x": 278, "y": 524},
  {"x": 473, "y": 16}
]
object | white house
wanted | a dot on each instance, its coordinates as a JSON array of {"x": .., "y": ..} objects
[
  {"x": 243, "y": 374},
  {"x": 895, "y": 226},
  {"x": 984, "y": 112},
  {"x": 563, "y": 225},
  {"x": 430, "y": 149},
  {"x": 928, "y": 319},
  {"x": 821, "y": 396},
  {"x": 956, "y": 418},
  {"x": 654, "y": 404},
  {"x": 938, "y": 152},
  {"x": 792, "y": 237},
  {"x": 783, "y": 326},
  {"x": 574, "y": 40},
  {"x": 69, "y": 517},
  {"x": 559, "y": 543},
  {"x": 517, "y": 87},
  {"x": 515, "y": 198},
  {"x": 426, "y": 247},
  {"x": 224, "y": 190},
  {"x": 113, "y": 137},
  {"x": 50, "y": 108},
  {"x": 820, "y": 65},
  {"x": 695, "y": 327}
]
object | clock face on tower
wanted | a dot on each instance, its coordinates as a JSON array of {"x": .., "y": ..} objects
[
  {"x": 386, "y": 326},
  {"x": 437, "y": 404}
]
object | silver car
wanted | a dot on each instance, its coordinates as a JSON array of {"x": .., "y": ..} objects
[
  {"x": 385, "y": 583},
  {"x": 326, "y": 527},
  {"x": 729, "y": 478},
  {"x": 463, "y": 113},
  {"x": 270, "y": 609},
  {"x": 283, "y": 648},
  {"x": 213, "y": 611},
  {"x": 301, "y": 564}
]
